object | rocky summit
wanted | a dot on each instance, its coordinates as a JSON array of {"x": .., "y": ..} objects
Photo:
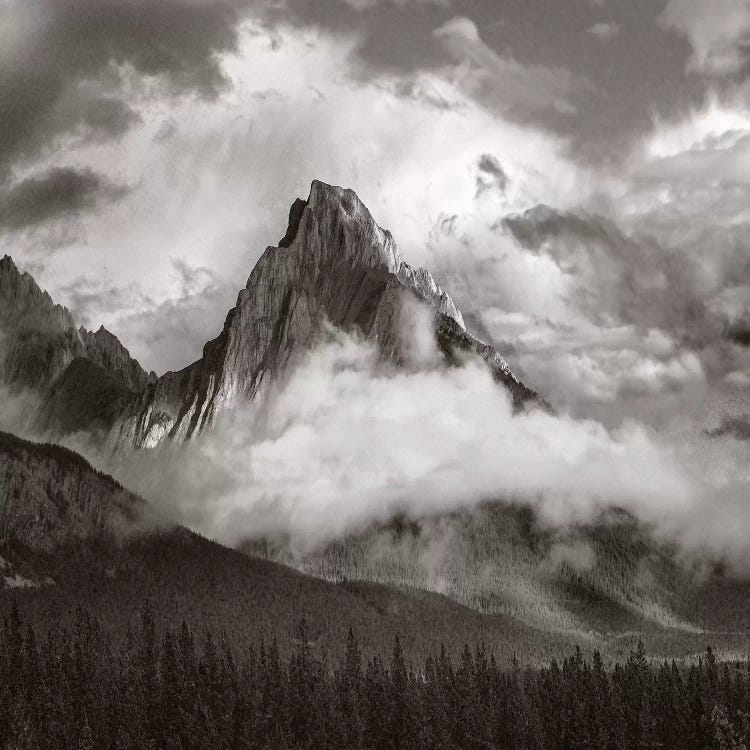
[{"x": 334, "y": 266}]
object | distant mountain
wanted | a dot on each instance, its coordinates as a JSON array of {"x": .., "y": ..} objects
[
  {"x": 608, "y": 577},
  {"x": 334, "y": 265},
  {"x": 39, "y": 339}
]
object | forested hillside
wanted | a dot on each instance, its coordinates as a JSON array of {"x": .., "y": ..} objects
[
  {"x": 609, "y": 577},
  {"x": 51, "y": 496},
  {"x": 188, "y": 577}
]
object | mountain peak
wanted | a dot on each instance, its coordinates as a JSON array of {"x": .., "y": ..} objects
[
  {"x": 334, "y": 266},
  {"x": 334, "y": 225}
]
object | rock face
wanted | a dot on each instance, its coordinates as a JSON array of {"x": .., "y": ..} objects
[
  {"x": 334, "y": 266},
  {"x": 39, "y": 340},
  {"x": 50, "y": 496}
]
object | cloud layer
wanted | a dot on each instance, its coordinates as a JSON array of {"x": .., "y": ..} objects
[{"x": 346, "y": 444}]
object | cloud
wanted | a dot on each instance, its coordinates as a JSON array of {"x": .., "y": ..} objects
[
  {"x": 171, "y": 334},
  {"x": 577, "y": 554},
  {"x": 212, "y": 192},
  {"x": 604, "y": 31},
  {"x": 719, "y": 33},
  {"x": 596, "y": 282},
  {"x": 341, "y": 428},
  {"x": 166, "y": 334},
  {"x": 491, "y": 175},
  {"x": 510, "y": 86},
  {"x": 637, "y": 296},
  {"x": 739, "y": 333},
  {"x": 347, "y": 443},
  {"x": 737, "y": 427},
  {"x": 58, "y": 193},
  {"x": 609, "y": 276},
  {"x": 85, "y": 293},
  {"x": 66, "y": 65}
]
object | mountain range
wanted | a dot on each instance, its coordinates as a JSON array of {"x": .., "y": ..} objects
[
  {"x": 69, "y": 533},
  {"x": 334, "y": 266}
]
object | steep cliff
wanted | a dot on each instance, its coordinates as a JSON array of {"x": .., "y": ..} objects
[{"x": 335, "y": 265}]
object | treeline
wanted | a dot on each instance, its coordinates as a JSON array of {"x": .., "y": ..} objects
[{"x": 162, "y": 689}]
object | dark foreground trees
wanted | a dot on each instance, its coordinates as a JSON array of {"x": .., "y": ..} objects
[{"x": 73, "y": 688}]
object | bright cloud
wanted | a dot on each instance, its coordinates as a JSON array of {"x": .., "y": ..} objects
[{"x": 214, "y": 179}]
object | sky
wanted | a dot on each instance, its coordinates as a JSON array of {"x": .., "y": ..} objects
[{"x": 574, "y": 173}]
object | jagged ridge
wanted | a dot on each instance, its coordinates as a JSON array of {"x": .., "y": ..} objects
[
  {"x": 40, "y": 339},
  {"x": 334, "y": 264}
]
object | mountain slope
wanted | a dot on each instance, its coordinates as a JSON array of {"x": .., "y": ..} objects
[
  {"x": 70, "y": 536},
  {"x": 51, "y": 496},
  {"x": 609, "y": 577},
  {"x": 39, "y": 340}
]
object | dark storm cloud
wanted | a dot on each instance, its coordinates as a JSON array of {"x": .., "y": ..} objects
[
  {"x": 737, "y": 427},
  {"x": 740, "y": 336},
  {"x": 541, "y": 224},
  {"x": 681, "y": 290},
  {"x": 622, "y": 278},
  {"x": 60, "y": 58},
  {"x": 536, "y": 52},
  {"x": 738, "y": 331},
  {"x": 719, "y": 33},
  {"x": 54, "y": 194},
  {"x": 559, "y": 44}
]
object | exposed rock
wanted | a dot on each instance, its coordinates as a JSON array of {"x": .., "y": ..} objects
[
  {"x": 39, "y": 340},
  {"x": 104, "y": 349},
  {"x": 295, "y": 216},
  {"x": 334, "y": 264}
]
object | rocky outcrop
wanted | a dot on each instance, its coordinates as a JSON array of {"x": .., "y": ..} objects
[
  {"x": 334, "y": 265},
  {"x": 39, "y": 339}
]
